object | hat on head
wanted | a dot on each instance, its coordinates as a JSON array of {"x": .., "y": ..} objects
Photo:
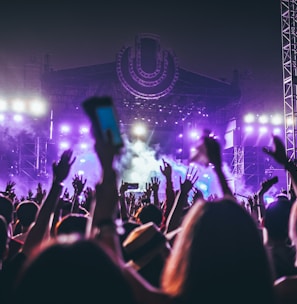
[{"x": 143, "y": 244}]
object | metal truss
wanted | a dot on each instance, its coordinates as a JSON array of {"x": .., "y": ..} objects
[{"x": 289, "y": 52}]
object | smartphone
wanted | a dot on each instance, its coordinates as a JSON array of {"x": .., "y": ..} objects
[{"x": 103, "y": 116}]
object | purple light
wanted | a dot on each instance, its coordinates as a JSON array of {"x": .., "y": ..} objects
[
  {"x": 18, "y": 118},
  {"x": 83, "y": 146},
  {"x": 277, "y": 131},
  {"x": 64, "y": 145},
  {"x": 263, "y": 130},
  {"x": 65, "y": 129},
  {"x": 84, "y": 130},
  {"x": 249, "y": 129},
  {"x": 194, "y": 134}
]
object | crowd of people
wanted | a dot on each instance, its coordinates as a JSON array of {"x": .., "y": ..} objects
[{"x": 115, "y": 248}]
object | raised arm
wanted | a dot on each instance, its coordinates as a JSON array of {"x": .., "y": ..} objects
[
  {"x": 123, "y": 205},
  {"x": 166, "y": 170},
  {"x": 175, "y": 216},
  {"x": 155, "y": 184},
  {"x": 42, "y": 223},
  {"x": 278, "y": 152},
  {"x": 211, "y": 150}
]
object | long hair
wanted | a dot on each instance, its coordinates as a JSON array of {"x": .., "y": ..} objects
[
  {"x": 218, "y": 256},
  {"x": 72, "y": 271}
]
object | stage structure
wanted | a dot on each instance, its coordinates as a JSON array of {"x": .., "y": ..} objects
[
  {"x": 289, "y": 50},
  {"x": 148, "y": 87}
]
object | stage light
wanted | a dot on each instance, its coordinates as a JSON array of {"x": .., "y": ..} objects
[
  {"x": 263, "y": 130},
  {"x": 277, "y": 131},
  {"x": 2, "y": 117},
  {"x": 18, "y": 105},
  {"x": 3, "y": 105},
  {"x": 263, "y": 119},
  {"x": 18, "y": 118},
  {"x": 64, "y": 145},
  {"x": 37, "y": 107},
  {"x": 276, "y": 120},
  {"x": 84, "y": 130},
  {"x": 194, "y": 134},
  {"x": 202, "y": 187},
  {"x": 65, "y": 129},
  {"x": 249, "y": 118},
  {"x": 139, "y": 130},
  {"x": 249, "y": 129},
  {"x": 83, "y": 146}
]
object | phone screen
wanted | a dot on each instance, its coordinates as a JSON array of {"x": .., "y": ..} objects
[{"x": 106, "y": 119}]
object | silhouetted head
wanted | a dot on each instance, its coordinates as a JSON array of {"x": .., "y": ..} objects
[
  {"x": 72, "y": 223},
  {"x": 71, "y": 270},
  {"x": 218, "y": 257},
  {"x": 276, "y": 219},
  {"x": 6, "y": 208},
  {"x": 3, "y": 238},
  {"x": 150, "y": 213},
  {"x": 26, "y": 212}
]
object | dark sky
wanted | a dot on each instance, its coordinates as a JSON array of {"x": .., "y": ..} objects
[{"x": 209, "y": 37}]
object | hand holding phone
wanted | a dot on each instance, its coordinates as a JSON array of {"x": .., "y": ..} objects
[{"x": 103, "y": 116}]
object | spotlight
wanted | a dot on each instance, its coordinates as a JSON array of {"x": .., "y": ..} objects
[
  {"x": 64, "y": 145},
  {"x": 84, "y": 130},
  {"x": 263, "y": 119},
  {"x": 249, "y": 118},
  {"x": 65, "y": 129},
  {"x": 276, "y": 120},
  {"x": 3, "y": 105},
  {"x": 18, "y": 118},
  {"x": 18, "y": 105},
  {"x": 139, "y": 130},
  {"x": 263, "y": 130},
  {"x": 37, "y": 107},
  {"x": 249, "y": 129},
  {"x": 83, "y": 146}
]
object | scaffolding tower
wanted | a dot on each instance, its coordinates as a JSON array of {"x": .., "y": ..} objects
[{"x": 289, "y": 52}]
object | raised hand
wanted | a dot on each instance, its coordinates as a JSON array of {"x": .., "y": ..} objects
[
  {"x": 267, "y": 184},
  {"x": 62, "y": 168},
  {"x": 89, "y": 194},
  {"x": 10, "y": 186},
  {"x": 78, "y": 184},
  {"x": 197, "y": 194},
  {"x": 123, "y": 187},
  {"x": 40, "y": 194},
  {"x": 30, "y": 195},
  {"x": 166, "y": 170},
  {"x": 278, "y": 152},
  {"x": 10, "y": 190},
  {"x": 190, "y": 179},
  {"x": 155, "y": 183},
  {"x": 148, "y": 190},
  {"x": 66, "y": 194}
]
